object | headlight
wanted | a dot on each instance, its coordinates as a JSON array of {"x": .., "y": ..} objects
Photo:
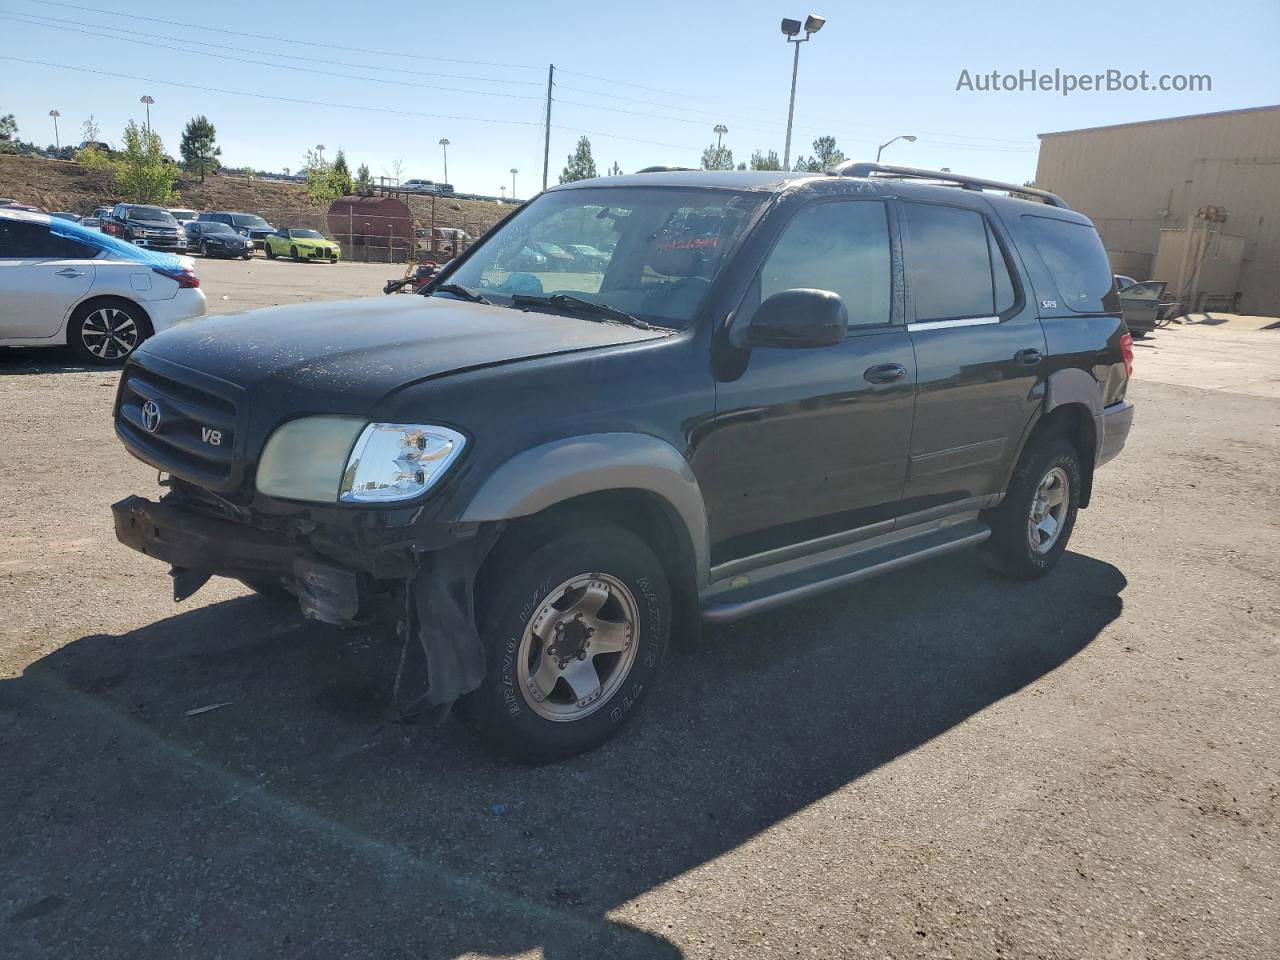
[
  {"x": 398, "y": 461},
  {"x": 331, "y": 459}
]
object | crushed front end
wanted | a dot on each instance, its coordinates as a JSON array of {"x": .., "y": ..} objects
[{"x": 367, "y": 561}]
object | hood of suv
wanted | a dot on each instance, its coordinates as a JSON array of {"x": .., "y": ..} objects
[{"x": 343, "y": 356}]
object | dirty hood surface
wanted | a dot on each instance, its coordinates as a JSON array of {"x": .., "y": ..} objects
[{"x": 344, "y": 355}]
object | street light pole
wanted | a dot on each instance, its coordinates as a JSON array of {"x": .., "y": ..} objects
[
  {"x": 514, "y": 171},
  {"x": 444, "y": 146},
  {"x": 320, "y": 153},
  {"x": 148, "y": 101},
  {"x": 907, "y": 137},
  {"x": 719, "y": 130},
  {"x": 57, "y": 143},
  {"x": 791, "y": 30}
]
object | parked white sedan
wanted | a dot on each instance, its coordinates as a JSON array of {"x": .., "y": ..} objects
[{"x": 63, "y": 284}]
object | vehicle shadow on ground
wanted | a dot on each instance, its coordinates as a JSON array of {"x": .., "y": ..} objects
[
  {"x": 296, "y": 821},
  {"x": 29, "y": 360}
]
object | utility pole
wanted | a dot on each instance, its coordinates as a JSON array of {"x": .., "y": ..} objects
[
  {"x": 444, "y": 146},
  {"x": 57, "y": 142},
  {"x": 546, "y": 144}
]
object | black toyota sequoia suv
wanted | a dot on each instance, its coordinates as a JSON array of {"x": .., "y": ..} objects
[{"x": 768, "y": 385}]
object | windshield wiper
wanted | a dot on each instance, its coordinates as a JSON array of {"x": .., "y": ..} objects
[
  {"x": 460, "y": 291},
  {"x": 565, "y": 301}
]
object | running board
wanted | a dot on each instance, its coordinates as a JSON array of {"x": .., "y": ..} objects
[{"x": 757, "y": 597}]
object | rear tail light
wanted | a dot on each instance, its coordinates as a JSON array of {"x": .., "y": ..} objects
[
  {"x": 186, "y": 278},
  {"x": 1126, "y": 351}
]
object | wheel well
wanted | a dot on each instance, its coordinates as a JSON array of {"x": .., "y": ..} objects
[
  {"x": 1074, "y": 422},
  {"x": 645, "y": 514},
  {"x": 104, "y": 301}
]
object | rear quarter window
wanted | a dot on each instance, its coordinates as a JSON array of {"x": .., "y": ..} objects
[{"x": 1076, "y": 262}]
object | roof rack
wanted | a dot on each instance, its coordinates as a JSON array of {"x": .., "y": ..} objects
[{"x": 854, "y": 168}]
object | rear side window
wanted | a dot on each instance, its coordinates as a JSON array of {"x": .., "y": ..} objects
[
  {"x": 1075, "y": 259},
  {"x": 840, "y": 246},
  {"x": 34, "y": 241},
  {"x": 949, "y": 264}
]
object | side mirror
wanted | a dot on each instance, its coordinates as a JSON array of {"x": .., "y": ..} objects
[{"x": 797, "y": 318}]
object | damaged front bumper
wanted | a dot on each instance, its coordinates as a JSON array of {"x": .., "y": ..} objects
[{"x": 416, "y": 579}]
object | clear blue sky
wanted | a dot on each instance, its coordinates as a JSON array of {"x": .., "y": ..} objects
[{"x": 875, "y": 71}]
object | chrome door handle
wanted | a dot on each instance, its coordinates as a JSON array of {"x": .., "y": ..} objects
[
  {"x": 885, "y": 373},
  {"x": 69, "y": 273}
]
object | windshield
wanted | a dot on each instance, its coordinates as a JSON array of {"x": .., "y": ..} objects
[
  {"x": 148, "y": 213},
  {"x": 665, "y": 247},
  {"x": 217, "y": 228},
  {"x": 306, "y": 235},
  {"x": 248, "y": 220},
  {"x": 183, "y": 214},
  {"x": 114, "y": 249}
]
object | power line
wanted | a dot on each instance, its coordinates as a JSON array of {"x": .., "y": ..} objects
[
  {"x": 307, "y": 43},
  {"x": 187, "y": 42},
  {"x": 366, "y": 108},
  {"x": 275, "y": 66}
]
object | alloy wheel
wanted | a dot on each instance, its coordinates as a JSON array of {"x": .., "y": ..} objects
[
  {"x": 109, "y": 333},
  {"x": 1049, "y": 509},
  {"x": 578, "y": 647}
]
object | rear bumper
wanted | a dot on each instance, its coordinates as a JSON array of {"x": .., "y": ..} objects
[{"x": 1113, "y": 430}]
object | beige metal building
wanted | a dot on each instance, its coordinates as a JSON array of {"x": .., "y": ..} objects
[{"x": 1193, "y": 200}]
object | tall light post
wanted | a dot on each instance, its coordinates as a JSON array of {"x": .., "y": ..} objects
[
  {"x": 146, "y": 99},
  {"x": 320, "y": 153},
  {"x": 791, "y": 30},
  {"x": 444, "y": 148},
  {"x": 57, "y": 143},
  {"x": 719, "y": 130},
  {"x": 906, "y": 136},
  {"x": 514, "y": 171},
  {"x": 502, "y": 191}
]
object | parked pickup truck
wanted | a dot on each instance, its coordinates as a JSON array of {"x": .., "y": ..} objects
[{"x": 770, "y": 385}]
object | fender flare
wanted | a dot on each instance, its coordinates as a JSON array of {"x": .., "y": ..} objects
[{"x": 561, "y": 470}]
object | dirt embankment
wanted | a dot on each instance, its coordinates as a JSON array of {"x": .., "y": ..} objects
[{"x": 63, "y": 185}]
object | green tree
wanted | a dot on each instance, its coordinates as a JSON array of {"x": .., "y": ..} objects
[
  {"x": 199, "y": 151},
  {"x": 324, "y": 185},
  {"x": 581, "y": 165},
  {"x": 363, "y": 182},
  {"x": 342, "y": 173},
  {"x": 142, "y": 172},
  {"x": 8, "y": 127},
  {"x": 825, "y": 154},
  {"x": 717, "y": 158},
  {"x": 615, "y": 170},
  {"x": 766, "y": 161}
]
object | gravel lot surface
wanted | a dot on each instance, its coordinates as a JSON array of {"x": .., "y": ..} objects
[{"x": 937, "y": 764}]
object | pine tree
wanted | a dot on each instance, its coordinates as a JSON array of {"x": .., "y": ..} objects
[
  {"x": 581, "y": 165},
  {"x": 199, "y": 152}
]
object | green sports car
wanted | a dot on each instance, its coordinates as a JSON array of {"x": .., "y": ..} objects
[{"x": 301, "y": 245}]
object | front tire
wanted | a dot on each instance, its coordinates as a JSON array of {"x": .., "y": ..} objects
[
  {"x": 575, "y": 626},
  {"x": 105, "y": 334},
  {"x": 293, "y": 252},
  {"x": 271, "y": 253},
  {"x": 1031, "y": 526}
]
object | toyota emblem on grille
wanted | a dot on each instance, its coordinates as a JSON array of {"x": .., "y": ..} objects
[{"x": 151, "y": 416}]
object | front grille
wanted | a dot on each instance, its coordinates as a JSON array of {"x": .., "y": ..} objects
[{"x": 193, "y": 435}]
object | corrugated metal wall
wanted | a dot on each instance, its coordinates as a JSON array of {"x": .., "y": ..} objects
[{"x": 1134, "y": 180}]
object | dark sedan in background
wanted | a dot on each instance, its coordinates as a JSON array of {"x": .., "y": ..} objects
[{"x": 217, "y": 240}]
